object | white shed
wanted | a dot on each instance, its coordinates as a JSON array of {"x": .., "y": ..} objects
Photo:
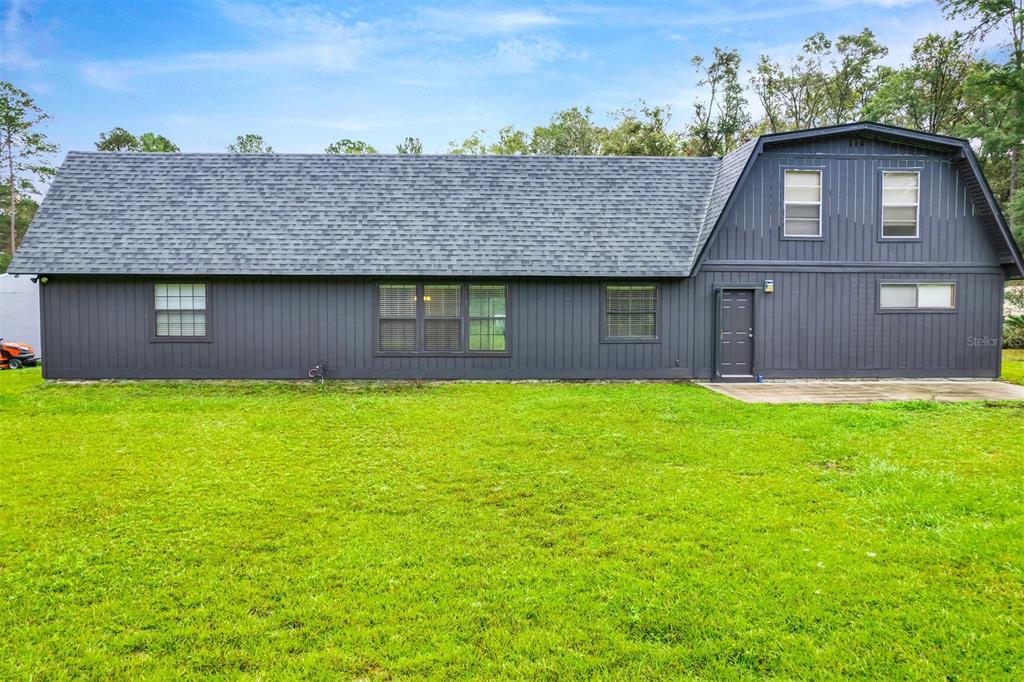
[{"x": 19, "y": 310}]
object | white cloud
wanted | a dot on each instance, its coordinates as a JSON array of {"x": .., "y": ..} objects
[
  {"x": 293, "y": 37},
  {"x": 470, "y": 21},
  {"x": 717, "y": 14},
  {"x": 305, "y": 37},
  {"x": 709, "y": 14},
  {"x": 118, "y": 74},
  {"x": 522, "y": 56},
  {"x": 352, "y": 124},
  {"x": 511, "y": 56},
  {"x": 14, "y": 52},
  {"x": 876, "y": 3}
]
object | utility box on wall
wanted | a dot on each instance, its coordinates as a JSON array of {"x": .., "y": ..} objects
[{"x": 19, "y": 311}]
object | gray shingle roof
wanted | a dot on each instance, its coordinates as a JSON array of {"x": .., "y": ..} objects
[
  {"x": 287, "y": 214},
  {"x": 728, "y": 175}
]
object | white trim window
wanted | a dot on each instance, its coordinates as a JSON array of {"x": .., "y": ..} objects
[
  {"x": 917, "y": 296},
  {"x": 802, "y": 203},
  {"x": 901, "y": 191},
  {"x": 180, "y": 310}
]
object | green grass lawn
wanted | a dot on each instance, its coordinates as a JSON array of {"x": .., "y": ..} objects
[
  {"x": 503, "y": 530},
  {"x": 1013, "y": 366}
]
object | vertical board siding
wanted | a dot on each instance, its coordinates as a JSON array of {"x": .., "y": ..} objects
[
  {"x": 815, "y": 324},
  {"x": 280, "y": 327},
  {"x": 951, "y": 230},
  {"x": 820, "y": 322}
]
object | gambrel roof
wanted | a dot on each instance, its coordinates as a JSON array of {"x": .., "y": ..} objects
[
  {"x": 962, "y": 156},
  {"x": 403, "y": 215}
]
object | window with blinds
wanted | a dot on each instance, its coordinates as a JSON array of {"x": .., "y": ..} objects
[
  {"x": 802, "y": 203},
  {"x": 441, "y": 318},
  {"x": 630, "y": 311},
  {"x": 396, "y": 308},
  {"x": 900, "y": 198},
  {"x": 180, "y": 310}
]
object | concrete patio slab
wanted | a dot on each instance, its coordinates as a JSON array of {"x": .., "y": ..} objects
[{"x": 868, "y": 391}]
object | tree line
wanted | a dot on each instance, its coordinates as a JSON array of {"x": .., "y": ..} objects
[{"x": 950, "y": 85}]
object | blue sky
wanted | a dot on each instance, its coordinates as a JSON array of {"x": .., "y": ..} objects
[{"x": 304, "y": 74}]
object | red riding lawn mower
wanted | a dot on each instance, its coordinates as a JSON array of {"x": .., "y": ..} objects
[{"x": 15, "y": 355}]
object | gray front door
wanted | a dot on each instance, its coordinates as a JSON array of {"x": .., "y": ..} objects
[{"x": 736, "y": 334}]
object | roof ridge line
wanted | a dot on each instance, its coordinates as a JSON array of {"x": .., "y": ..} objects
[{"x": 388, "y": 155}]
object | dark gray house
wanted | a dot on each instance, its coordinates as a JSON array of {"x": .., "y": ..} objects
[{"x": 852, "y": 251}]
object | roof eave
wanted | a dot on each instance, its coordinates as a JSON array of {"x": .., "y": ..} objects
[
  {"x": 865, "y": 126},
  {"x": 1016, "y": 258}
]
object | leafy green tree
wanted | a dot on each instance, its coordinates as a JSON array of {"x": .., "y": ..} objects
[
  {"x": 989, "y": 113},
  {"x": 992, "y": 16},
  {"x": 250, "y": 143},
  {"x": 828, "y": 83},
  {"x": 511, "y": 141},
  {"x": 642, "y": 131},
  {"x": 117, "y": 140},
  {"x": 854, "y": 77},
  {"x": 989, "y": 124},
  {"x": 411, "y": 145},
  {"x": 793, "y": 96},
  {"x": 929, "y": 93},
  {"x": 719, "y": 123},
  {"x": 1014, "y": 298},
  {"x": 120, "y": 140},
  {"x": 473, "y": 144},
  {"x": 347, "y": 146},
  {"x": 571, "y": 132},
  {"x": 1015, "y": 212},
  {"x": 1013, "y": 331},
  {"x": 25, "y": 210},
  {"x": 25, "y": 154},
  {"x": 151, "y": 142}
]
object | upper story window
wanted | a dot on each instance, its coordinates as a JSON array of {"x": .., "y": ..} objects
[
  {"x": 917, "y": 296},
  {"x": 802, "y": 203},
  {"x": 630, "y": 312},
  {"x": 900, "y": 204},
  {"x": 180, "y": 310},
  {"x": 441, "y": 318}
]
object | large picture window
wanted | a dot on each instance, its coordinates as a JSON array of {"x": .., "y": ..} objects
[
  {"x": 441, "y": 318},
  {"x": 180, "y": 311},
  {"x": 802, "y": 203},
  {"x": 900, "y": 204},
  {"x": 630, "y": 312}
]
